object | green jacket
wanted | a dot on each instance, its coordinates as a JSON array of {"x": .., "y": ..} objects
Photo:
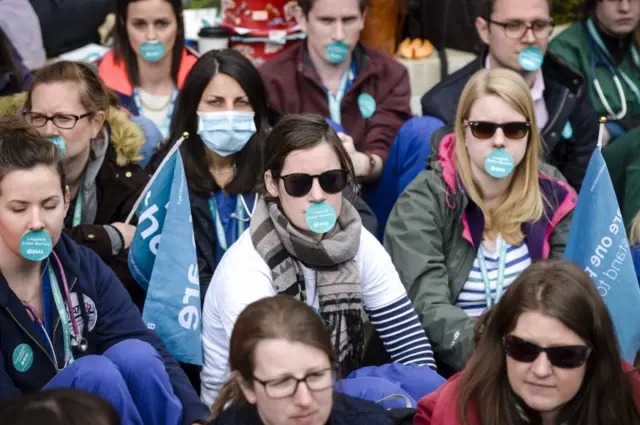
[
  {"x": 432, "y": 236},
  {"x": 575, "y": 47}
]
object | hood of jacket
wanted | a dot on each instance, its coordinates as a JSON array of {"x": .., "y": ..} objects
[
  {"x": 125, "y": 136},
  {"x": 561, "y": 197}
]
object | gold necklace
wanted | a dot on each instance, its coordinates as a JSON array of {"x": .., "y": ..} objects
[{"x": 155, "y": 109}]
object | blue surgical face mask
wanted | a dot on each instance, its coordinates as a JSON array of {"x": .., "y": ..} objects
[
  {"x": 152, "y": 51},
  {"x": 226, "y": 133}
]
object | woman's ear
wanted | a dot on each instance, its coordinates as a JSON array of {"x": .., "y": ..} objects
[
  {"x": 272, "y": 184},
  {"x": 247, "y": 390},
  {"x": 97, "y": 122}
]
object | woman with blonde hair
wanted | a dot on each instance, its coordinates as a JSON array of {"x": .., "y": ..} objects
[{"x": 484, "y": 209}]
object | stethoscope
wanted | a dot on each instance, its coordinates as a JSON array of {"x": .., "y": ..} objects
[
  {"x": 598, "y": 55},
  {"x": 79, "y": 342}
]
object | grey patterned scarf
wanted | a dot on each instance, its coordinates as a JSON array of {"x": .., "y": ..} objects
[{"x": 282, "y": 245}]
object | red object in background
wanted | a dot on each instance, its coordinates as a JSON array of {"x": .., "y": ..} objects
[{"x": 253, "y": 23}]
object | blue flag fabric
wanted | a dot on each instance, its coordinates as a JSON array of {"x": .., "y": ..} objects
[
  {"x": 598, "y": 243},
  {"x": 163, "y": 261}
]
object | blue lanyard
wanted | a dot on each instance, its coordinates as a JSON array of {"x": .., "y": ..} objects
[
  {"x": 335, "y": 101},
  {"x": 174, "y": 95},
  {"x": 593, "y": 32},
  {"x": 239, "y": 216},
  {"x": 63, "y": 314},
  {"x": 501, "y": 248}
]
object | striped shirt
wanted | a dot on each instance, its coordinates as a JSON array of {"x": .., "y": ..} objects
[{"x": 472, "y": 297}]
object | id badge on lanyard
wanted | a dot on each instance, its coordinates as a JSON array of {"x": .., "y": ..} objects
[
  {"x": 335, "y": 101},
  {"x": 501, "y": 248}
]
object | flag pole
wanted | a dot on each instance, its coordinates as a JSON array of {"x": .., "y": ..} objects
[
  {"x": 175, "y": 147},
  {"x": 603, "y": 121}
]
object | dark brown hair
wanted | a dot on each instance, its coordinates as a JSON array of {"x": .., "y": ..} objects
[
  {"x": 307, "y": 5},
  {"x": 300, "y": 132},
  {"x": 122, "y": 50},
  {"x": 59, "y": 407},
  {"x": 94, "y": 95},
  {"x": 484, "y": 8},
  {"x": 22, "y": 148},
  {"x": 279, "y": 317},
  {"x": 565, "y": 292}
]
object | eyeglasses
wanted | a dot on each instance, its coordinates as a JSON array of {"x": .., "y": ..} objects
[
  {"x": 566, "y": 356},
  {"x": 288, "y": 386},
  {"x": 299, "y": 184},
  {"x": 517, "y": 29},
  {"x": 512, "y": 130},
  {"x": 63, "y": 121}
]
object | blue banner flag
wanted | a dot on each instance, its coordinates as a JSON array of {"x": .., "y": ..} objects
[
  {"x": 163, "y": 261},
  {"x": 598, "y": 243}
]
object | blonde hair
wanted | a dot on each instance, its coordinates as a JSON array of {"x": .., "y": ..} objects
[
  {"x": 634, "y": 233},
  {"x": 524, "y": 202}
]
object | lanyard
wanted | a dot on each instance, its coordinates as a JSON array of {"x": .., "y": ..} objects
[
  {"x": 165, "y": 128},
  {"x": 501, "y": 248},
  {"x": 62, "y": 313},
  {"x": 336, "y": 100},
  {"x": 239, "y": 217},
  {"x": 634, "y": 54},
  {"x": 77, "y": 210}
]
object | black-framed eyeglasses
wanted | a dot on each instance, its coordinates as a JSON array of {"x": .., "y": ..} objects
[
  {"x": 299, "y": 184},
  {"x": 565, "y": 356},
  {"x": 288, "y": 386},
  {"x": 63, "y": 121},
  {"x": 517, "y": 29}
]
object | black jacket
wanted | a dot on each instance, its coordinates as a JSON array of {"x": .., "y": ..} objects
[
  {"x": 566, "y": 100},
  {"x": 346, "y": 411}
]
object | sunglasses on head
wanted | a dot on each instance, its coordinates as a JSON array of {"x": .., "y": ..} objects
[
  {"x": 511, "y": 130},
  {"x": 565, "y": 356},
  {"x": 299, "y": 184}
]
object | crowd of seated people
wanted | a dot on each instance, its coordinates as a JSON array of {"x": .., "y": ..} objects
[{"x": 354, "y": 264}]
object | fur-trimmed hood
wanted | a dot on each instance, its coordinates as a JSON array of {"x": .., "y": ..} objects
[{"x": 125, "y": 136}]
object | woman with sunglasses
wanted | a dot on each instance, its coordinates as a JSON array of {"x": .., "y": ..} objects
[
  {"x": 69, "y": 104},
  {"x": 485, "y": 208},
  {"x": 547, "y": 354},
  {"x": 284, "y": 371},
  {"x": 307, "y": 240}
]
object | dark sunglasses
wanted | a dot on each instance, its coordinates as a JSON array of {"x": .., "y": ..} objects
[
  {"x": 299, "y": 184},
  {"x": 566, "y": 356},
  {"x": 511, "y": 130}
]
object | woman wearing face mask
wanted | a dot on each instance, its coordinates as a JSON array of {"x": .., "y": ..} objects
[
  {"x": 603, "y": 48},
  {"x": 485, "y": 208},
  {"x": 66, "y": 320},
  {"x": 69, "y": 104},
  {"x": 547, "y": 354},
  {"x": 284, "y": 369},
  {"x": 149, "y": 63},
  {"x": 307, "y": 240}
]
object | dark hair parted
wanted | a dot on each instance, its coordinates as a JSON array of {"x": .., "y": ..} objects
[
  {"x": 94, "y": 95},
  {"x": 22, "y": 148},
  {"x": 278, "y": 317},
  {"x": 307, "y": 5},
  {"x": 485, "y": 8},
  {"x": 300, "y": 132},
  {"x": 8, "y": 66},
  {"x": 59, "y": 407},
  {"x": 185, "y": 118},
  {"x": 122, "y": 50},
  {"x": 565, "y": 292}
]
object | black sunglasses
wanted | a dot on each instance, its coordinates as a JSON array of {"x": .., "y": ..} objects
[
  {"x": 511, "y": 130},
  {"x": 565, "y": 356},
  {"x": 299, "y": 184}
]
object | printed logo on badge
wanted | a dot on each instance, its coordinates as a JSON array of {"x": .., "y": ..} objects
[
  {"x": 367, "y": 105},
  {"x": 22, "y": 358},
  {"x": 567, "y": 131},
  {"x": 36, "y": 245},
  {"x": 336, "y": 52},
  {"x": 320, "y": 217},
  {"x": 499, "y": 164},
  {"x": 89, "y": 308},
  {"x": 531, "y": 58},
  {"x": 152, "y": 51},
  {"x": 59, "y": 142}
]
